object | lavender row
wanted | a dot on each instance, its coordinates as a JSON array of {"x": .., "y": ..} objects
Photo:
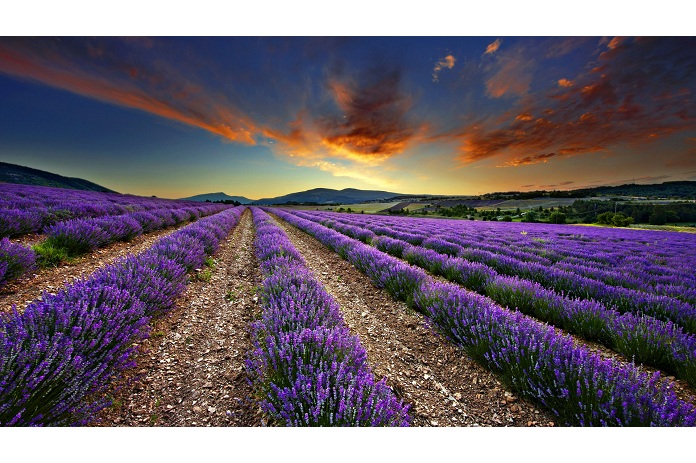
[
  {"x": 305, "y": 365},
  {"x": 605, "y": 246},
  {"x": 668, "y": 281},
  {"x": 636, "y": 258},
  {"x": 622, "y": 299},
  {"x": 571, "y": 381},
  {"x": 59, "y": 355},
  {"x": 29, "y": 209},
  {"x": 74, "y": 237},
  {"x": 557, "y": 273},
  {"x": 80, "y": 236}
]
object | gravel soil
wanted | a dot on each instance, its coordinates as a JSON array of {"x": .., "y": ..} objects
[
  {"x": 29, "y": 239},
  {"x": 442, "y": 384},
  {"x": 26, "y": 289},
  {"x": 191, "y": 370}
]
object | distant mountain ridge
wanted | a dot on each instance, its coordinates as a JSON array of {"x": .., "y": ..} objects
[
  {"x": 329, "y": 196},
  {"x": 13, "y": 173},
  {"x": 219, "y": 196}
]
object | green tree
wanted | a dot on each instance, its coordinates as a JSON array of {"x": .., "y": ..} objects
[
  {"x": 557, "y": 217},
  {"x": 621, "y": 220},
  {"x": 529, "y": 217},
  {"x": 658, "y": 217},
  {"x": 605, "y": 218},
  {"x": 672, "y": 216}
]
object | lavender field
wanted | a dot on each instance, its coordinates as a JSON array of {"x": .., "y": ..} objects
[{"x": 248, "y": 316}]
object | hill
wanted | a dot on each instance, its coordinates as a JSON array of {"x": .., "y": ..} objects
[
  {"x": 329, "y": 196},
  {"x": 13, "y": 173},
  {"x": 673, "y": 190},
  {"x": 681, "y": 189},
  {"x": 220, "y": 196}
]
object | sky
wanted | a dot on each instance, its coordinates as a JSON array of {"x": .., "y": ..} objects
[{"x": 266, "y": 116}]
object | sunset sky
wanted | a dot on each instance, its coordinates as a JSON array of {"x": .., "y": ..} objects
[{"x": 266, "y": 116}]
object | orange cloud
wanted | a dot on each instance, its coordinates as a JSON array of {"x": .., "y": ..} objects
[
  {"x": 565, "y": 83},
  {"x": 56, "y": 70},
  {"x": 527, "y": 160},
  {"x": 493, "y": 47},
  {"x": 445, "y": 63},
  {"x": 615, "y": 42}
]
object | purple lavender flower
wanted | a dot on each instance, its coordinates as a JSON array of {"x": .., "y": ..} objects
[{"x": 15, "y": 260}]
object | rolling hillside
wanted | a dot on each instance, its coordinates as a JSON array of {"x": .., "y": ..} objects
[{"x": 13, "y": 173}]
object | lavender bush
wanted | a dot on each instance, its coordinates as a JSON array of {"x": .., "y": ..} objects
[
  {"x": 76, "y": 236},
  {"x": 615, "y": 257},
  {"x": 63, "y": 349},
  {"x": 15, "y": 260},
  {"x": 19, "y": 222},
  {"x": 575, "y": 384}
]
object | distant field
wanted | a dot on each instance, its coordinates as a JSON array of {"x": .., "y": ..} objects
[
  {"x": 686, "y": 228},
  {"x": 530, "y": 203}
]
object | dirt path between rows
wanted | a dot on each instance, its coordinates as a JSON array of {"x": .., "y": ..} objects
[
  {"x": 24, "y": 290},
  {"x": 191, "y": 370},
  {"x": 443, "y": 385}
]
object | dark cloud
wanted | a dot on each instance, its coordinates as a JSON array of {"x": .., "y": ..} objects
[
  {"x": 637, "y": 91},
  {"x": 372, "y": 120}
]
